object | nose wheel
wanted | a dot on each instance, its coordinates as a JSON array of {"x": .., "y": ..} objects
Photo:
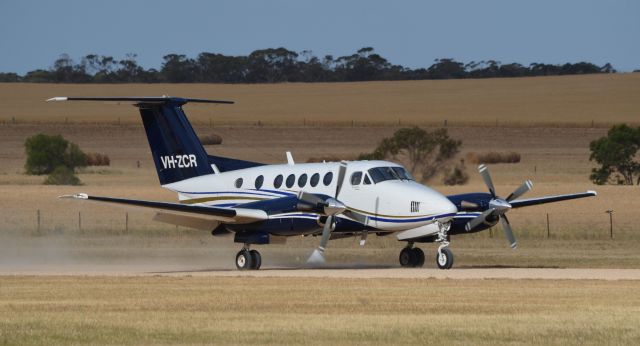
[
  {"x": 247, "y": 259},
  {"x": 444, "y": 258}
]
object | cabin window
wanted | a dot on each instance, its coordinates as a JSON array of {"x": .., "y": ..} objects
[
  {"x": 290, "y": 180},
  {"x": 327, "y": 179},
  {"x": 302, "y": 180},
  {"x": 356, "y": 178},
  {"x": 239, "y": 183},
  {"x": 259, "y": 182},
  {"x": 277, "y": 182},
  {"x": 367, "y": 181},
  {"x": 315, "y": 179}
]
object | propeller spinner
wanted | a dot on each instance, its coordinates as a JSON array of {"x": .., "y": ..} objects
[{"x": 498, "y": 207}]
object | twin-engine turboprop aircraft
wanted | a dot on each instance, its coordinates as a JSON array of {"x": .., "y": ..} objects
[{"x": 264, "y": 204}]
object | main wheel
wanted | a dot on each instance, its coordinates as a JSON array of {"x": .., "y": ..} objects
[
  {"x": 444, "y": 258},
  {"x": 256, "y": 259},
  {"x": 406, "y": 257},
  {"x": 244, "y": 260},
  {"x": 418, "y": 257}
]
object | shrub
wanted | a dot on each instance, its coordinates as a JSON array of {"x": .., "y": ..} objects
[
  {"x": 97, "y": 159},
  {"x": 493, "y": 157},
  {"x": 457, "y": 176},
  {"x": 45, "y": 153},
  {"x": 211, "y": 139},
  {"x": 62, "y": 175}
]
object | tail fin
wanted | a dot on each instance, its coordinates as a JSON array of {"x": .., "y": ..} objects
[{"x": 176, "y": 150}]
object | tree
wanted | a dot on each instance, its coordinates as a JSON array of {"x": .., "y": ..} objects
[
  {"x": 426, "y": 153},
  {"x": 62, "y": 175},
  {"x": 45, "y": 153},
  {"x": 616, "y": 154}
]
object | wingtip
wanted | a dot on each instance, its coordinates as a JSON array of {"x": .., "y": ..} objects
[
  {"x": 592, "y": 192},
  {"x": 76, "y": 196},
  {"x": 58, "y": 98}
]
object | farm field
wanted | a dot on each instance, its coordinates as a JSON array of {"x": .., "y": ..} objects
[
  {"x": 247, "y": 310},
  {"x": 582, "y": 101}
]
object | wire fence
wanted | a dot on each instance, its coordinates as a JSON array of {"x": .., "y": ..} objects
[{"x": 88, "y": 221}]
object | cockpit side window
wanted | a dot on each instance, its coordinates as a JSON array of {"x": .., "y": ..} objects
[
  {"x": 356, "y": 178},
  {"x": 367, "y": 181}
]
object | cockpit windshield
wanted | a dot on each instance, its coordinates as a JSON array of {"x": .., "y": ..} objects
[{"x": 379, "y": 174}]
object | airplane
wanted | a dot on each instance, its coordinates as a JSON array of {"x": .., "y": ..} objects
[{"x": 266, "y": 203}]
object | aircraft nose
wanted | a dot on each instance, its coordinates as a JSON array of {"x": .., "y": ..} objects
[{"x": 445, "y": 206}]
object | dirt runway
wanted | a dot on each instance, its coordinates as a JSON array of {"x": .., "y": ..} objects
[{"x": 362, "y": 272}]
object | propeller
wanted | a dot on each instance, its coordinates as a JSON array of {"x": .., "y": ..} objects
[
  {"x": 331, "y": 207},
  {"x": 498, "y": 207}
]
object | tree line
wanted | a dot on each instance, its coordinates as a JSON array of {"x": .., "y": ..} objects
[{"x": 277, "y": 65}]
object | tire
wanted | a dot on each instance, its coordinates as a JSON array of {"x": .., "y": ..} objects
[
  {"x": 244, "y": 260},
  {"x": 418, "y": 256},
  {"x": 444, "y": 259},
  {"x": 407, "y": 257},
  {"x": 256, "y": 259}
]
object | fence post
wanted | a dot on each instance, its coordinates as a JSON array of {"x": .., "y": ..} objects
[
  {"x": 548, "y": 230},
  {"x": 126, "y": 223},
  {"x": 38, "y": 218},
  {"x": 610, "y": 212},
  {"x": 80, "y": 221}
]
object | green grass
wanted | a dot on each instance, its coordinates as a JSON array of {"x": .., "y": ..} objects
[{"x": 190, "y": 310}]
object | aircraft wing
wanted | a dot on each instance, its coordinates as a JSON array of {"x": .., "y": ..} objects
[
  {"x": 184, "y": 212},
  {"x": 549, "y": 199}
]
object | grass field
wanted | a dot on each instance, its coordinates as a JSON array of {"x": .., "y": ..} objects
[
  {"x": 540, "y": 101},
  {"x": 237, "y": 310}
]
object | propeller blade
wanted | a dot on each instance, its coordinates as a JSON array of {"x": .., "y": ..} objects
[
  {"x": 478, "y": 220},
  {"x": 508, "y": 232},
  {"x": 526, "y": 186},
  {"x": 341, "y": 174},
  {"x": 310, "y": 198},
  {"x": 484, "y": 172},
  {"x": 469, "y": 205},
  {"x": 356, "y": 216},
  {"x": 317, "y": 256}
]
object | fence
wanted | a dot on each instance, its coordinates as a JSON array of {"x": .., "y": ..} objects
[{"x": 108, "y": 221}]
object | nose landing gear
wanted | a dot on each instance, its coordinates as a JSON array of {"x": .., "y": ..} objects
[
  {"x": 247, "y": 259},
  {"x": 444, "y": 257}
]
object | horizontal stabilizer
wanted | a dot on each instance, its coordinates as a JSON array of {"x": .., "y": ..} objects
[{"x": 139, "y": 100}]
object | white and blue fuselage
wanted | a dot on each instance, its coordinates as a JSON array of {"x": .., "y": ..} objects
[{"x": 391, "y": 202}]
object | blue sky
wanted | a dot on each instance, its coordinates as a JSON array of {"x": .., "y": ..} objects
[{"x": 411, "y": 33}]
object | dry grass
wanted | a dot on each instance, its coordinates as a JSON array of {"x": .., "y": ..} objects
[
  {"x": 549, "y": 101},
  {"x": 191, "y": 310}
]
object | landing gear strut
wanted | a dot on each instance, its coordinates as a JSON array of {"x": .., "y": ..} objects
[
  {"x": 248, "y": 259},
  {"x": 411, "y": 256},
  {"x": 444, "y": 257}
]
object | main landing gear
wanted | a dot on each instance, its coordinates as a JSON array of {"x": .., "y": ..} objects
[
  {"x": 247, "y": 259},
  {"x": 411, "y": 256}
]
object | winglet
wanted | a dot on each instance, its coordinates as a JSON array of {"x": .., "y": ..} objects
[
  {"x": 76, "y": 196},
  {"x": 592, "y": 192}
]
